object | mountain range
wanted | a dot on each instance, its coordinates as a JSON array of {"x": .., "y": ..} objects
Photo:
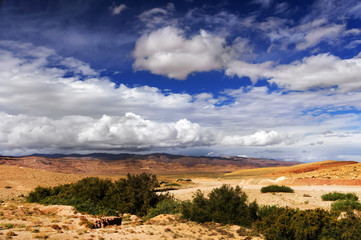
[{"x": 156, "y": 163}]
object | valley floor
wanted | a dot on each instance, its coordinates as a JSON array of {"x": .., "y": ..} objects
[
  {"x": 304, "y": 197},
  {"x": 31, "y": 221}
]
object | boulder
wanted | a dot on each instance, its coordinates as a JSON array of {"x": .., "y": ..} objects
[{"x": 107, "y": 221}]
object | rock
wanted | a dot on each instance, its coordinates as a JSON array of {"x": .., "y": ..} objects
[
  {"x": 135, "y": 218},
  {"x": 107, "y": 221},
  {"x": 61, "y": 210}
]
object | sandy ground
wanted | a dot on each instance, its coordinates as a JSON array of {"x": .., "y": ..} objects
[
  {"x": 32, "y": 221},
  {"x": 304, "y": 197}
]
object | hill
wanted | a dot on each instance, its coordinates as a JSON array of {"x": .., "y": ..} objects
[
  {"x": 160, "y": 163},
  {"x": 317, "y": 173}
]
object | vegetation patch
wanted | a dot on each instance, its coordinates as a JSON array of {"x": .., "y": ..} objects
[
  {"x": 276, "y": 188},
  {"x": 334, "y": 196},
  {"x": 346, "y": 205},
  {"x": 167, "y": 206},
  {"x": 225, "y": 205},
  {"x": 285, "y": 223},
  {"x": 134, "y": 194}
]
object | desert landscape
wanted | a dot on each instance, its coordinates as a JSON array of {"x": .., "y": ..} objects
[
  {"x": 188, "y": 119},
  {"x": 25, "y": 220}
]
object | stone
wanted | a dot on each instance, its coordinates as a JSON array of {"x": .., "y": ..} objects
[{"x": 107, "y": 221}]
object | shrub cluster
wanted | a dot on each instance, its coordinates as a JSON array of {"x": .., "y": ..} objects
[
  {"x": 345, "y": 205},
  {"x": 276, "y": 188},
  {"x": 333, "y": 196},
  {"x": 226, "y": 205},
  {"x": 283, "y": 223},
  {"x": 134, "y": 194},
  {"x": 166, "y": 206}
]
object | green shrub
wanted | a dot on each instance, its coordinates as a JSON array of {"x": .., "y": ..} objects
[
  {"x": 284, "y": 223},
  {"x": 345, "y": 205},
  {"x": 134, "y": 194},
  {"x": 224, "y": 205},
  {"x": 333, "y": 196},
  {"x": 166, "y": 206},
  {"x": 317, "y": 224},
  {"x": 266, "y": 210},
  {"x": 276, "y": 188}
]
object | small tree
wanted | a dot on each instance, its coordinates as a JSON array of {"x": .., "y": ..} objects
[
  {"x": 135, "y": 194},
  {"x": 224, "y": 205}
]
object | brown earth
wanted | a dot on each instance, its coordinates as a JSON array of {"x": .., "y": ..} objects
[
  {"x": 34, "y": 221},
  {"x": 318, "y": 173},
  {"x": 310, "y": 181},
  {"x": 107, "y": 164}
]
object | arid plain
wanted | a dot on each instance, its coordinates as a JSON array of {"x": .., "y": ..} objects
[{"x": 29, "y": 221}]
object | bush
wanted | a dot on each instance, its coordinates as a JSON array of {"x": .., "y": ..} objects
[
  {"x": 345, "y": 205},
  {"x": 166, "y": 206},
  {"x": 276, "y": 188},
  {"x": 134, "y": 194},
  {"x": 224, "y": 205},
  {"x": 333, "y": 196},
  {"x": 293, "y": 224},
  {"x": 284, "y": 223}
]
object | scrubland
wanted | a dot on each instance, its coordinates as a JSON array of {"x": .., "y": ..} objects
[{"x": 22, "y": 220}]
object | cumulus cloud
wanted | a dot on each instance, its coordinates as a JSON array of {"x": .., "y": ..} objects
[
  {"x": 314, "y": 72},
  {"x": 178, "y": 56},
  {"x": 253, "y": 71},
  {"x": 116, "y": 10},
  {"x": 319, "y": 71},
  {"x": 38, "y": 82},
  {"x": 260, "y": 138},
  {"x": 130, "y": 131},
  {"x": 48, "y": 101}
]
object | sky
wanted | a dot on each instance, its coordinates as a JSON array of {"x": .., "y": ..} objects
[{"x": 253, "y": 78}]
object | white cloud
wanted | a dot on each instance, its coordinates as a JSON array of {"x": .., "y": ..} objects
[
  {"x": 38, "y": 88},
  {"x": 130, "y": 131},
  {"x": 51, "y": 103},
  {"x": 177, "y": 56},
  {"x": 319, "y": 71},
  {"x": 253, "y": 71},
  {"x": 285, "y": 34},
  {"x": 78, "y": 67},
  {"x": 315, "y": 34},
  {"x": 260, "y": 138},
  {"x": 158, "y": 17},
  {"x": 116, "y": 10}
]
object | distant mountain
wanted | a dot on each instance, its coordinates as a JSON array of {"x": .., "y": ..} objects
[{"x": 157, "y": 163}]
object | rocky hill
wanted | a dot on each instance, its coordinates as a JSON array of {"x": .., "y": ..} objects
[
  {"x": 316, "y": 173},
  {"x": 159, "y": 163}
]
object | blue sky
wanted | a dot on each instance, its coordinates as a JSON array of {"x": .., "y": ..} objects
[{"x": 261, "y": 78}]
